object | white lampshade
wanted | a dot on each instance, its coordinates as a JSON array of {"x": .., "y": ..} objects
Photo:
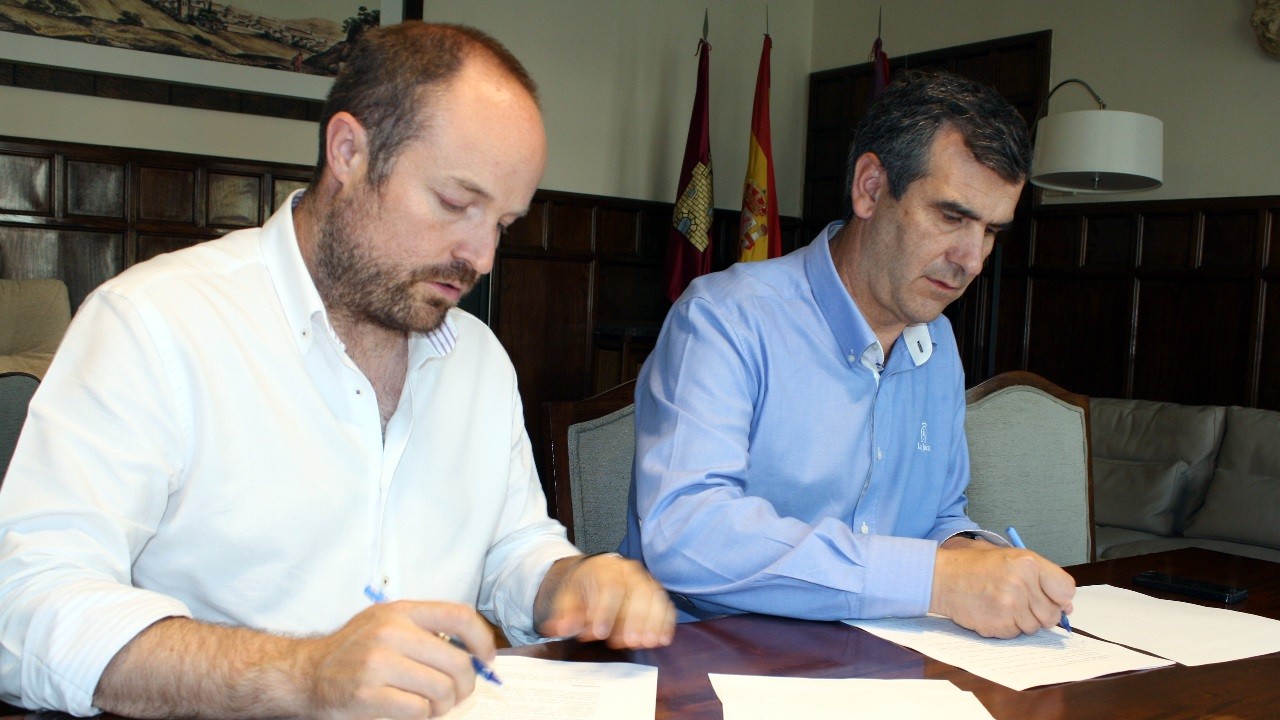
[{"x": 1098, "y": 151}]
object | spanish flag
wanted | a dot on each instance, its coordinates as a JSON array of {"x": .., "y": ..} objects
[{"x": 760, "y": 237}]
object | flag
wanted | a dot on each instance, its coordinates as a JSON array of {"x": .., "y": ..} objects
[
  {"x": 879, "y": 70},
  {"x": 760, "y": 237},
  {"x": 689, "y": 243}
]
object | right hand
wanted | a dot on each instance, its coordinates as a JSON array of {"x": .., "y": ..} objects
[
  {"x": 390, "y": 662},
  {"x": 999, "y": 592}
]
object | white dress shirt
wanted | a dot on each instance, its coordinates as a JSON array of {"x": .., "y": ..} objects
[{"x": 203, "y": 446}]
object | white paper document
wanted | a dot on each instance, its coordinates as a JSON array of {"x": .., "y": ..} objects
[
  {"x": 1187, "y": 633},
  {"x": 1050, "y": 656},
  {"x": 754, "y": 697},
  {"x": 552, "y": 689}
]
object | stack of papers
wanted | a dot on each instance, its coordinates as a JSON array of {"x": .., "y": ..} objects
[
  {"x": 1050, "y": 656},
  {"x": 535, "y": 688},
  {"x": 752, "y": 697},
  {"x": 1183, "y": 632}
]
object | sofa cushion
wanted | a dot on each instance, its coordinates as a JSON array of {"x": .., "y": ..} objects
[
  {"x": 1250, "y": 441},
  {"x": 1137, "y": 495},
  {"x": 33, "y": 316},
  {"x": 1146, "y": 430},
  {"x": 1240, "y": 507}
]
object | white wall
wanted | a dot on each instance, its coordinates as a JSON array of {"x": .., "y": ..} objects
[
  {"x": 1192, "y": 63},
  {"x": 617, "y": 82}
]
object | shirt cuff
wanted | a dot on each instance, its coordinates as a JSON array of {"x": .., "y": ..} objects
[
  {"x": 899, "y": 578},
  {"x": 79, "y": 636}
]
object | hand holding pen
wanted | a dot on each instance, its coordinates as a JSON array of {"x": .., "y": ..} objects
[
  {"x": 482, "y": 670},
  {"x": 1016, "y": 539}
]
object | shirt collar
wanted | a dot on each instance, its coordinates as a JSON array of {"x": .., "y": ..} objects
[
  {"x": 850, "y": 328},
  {"x": 303, "y": 308}
]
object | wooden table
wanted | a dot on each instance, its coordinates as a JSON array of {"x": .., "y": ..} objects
[{"x": 763, "y": 645}]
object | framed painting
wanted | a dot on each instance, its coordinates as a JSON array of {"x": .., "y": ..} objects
[{"x": 266, "y": 57}]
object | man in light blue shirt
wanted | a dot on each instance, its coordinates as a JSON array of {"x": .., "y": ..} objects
[{"x": 800, "y": 445}]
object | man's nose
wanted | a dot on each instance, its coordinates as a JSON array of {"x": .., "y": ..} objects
[{"x": 478, "y": 249}]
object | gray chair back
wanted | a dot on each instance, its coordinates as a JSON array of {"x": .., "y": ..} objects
[
  {"x": 1029, "y": 464},
  {"x": 16, "y": 389},
  {"x": 592, "y": 444},
  {"x": 601, "y": 452}
]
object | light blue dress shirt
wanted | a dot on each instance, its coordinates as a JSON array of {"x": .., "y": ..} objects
[{"x": 776, "y": 470}]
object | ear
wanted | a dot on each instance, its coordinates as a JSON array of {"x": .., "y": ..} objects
[
  {"x": 346, "y": 147},
  {"x": 869, "y": 180}
]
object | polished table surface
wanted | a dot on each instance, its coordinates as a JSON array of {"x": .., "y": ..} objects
[{"x": 762, "y": 645}]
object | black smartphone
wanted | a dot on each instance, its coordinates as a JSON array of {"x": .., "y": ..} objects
[{"x": 1188, "y": 586}]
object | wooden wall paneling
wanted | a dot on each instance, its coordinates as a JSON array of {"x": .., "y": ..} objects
[
  {"x": 83, "y": 260},
  {"x": 619, "y": 231},
  {"x": 1268, "y": 375},
  {"x": 167, "y": 194},
  {"x": 571, "y": 225},
  {"x": 1229, "y": 241},
  {"x": 1078, "y": 332},
  {"x": 1168, "y": 240},
  {"x": 1111, "y": 241},
  {"x": 96, "y": 189},
  {"x": 234, "y": 200},
  {"x": 26, "y": 183},
  {"x": 529, "y": 231},
  {"x": 1193, "y": 341},
  {"x": 282, "y": 187}
]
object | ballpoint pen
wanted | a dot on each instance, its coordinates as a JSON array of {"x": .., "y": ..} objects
[
  {"x": 1014, "y": 538},
  {"x": 483, "y": 670}
]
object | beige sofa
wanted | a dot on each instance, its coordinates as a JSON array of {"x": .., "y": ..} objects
[
  {"x": 1168, "y": 476},
  {"x": 34, "y": 314}
]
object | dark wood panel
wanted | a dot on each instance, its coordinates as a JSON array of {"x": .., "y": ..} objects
[
  {"x": 234, "y": 200},
  {"x": 1066, "y": 311},
  {"x": 282, "y": 187},
  {"x": 1273, "y": 245},
  {"x": 1168, "y": 240},
  {"x": 26, "y": 183},
  {"x": 619, "y": 231},
  {"x": 83, "y": 260},
  {"x": 571, "y": 225},
  {"x": 543, "y": 318},
  {"x": 95, "y": 189},
  {"x": 150, "y": 246},
  {"x": 529, "y": 231},
  {"x": 625, "y": 295},
  {"x": 1269, "y": 358},
  {"x": 1056, "y": 244},
  {"x": 1192, "y": 343},
  {"x": 655, "y": 229},
  {"x": 1229, "y": 241},
  {"x": 1111, "y": 241},
  {"x": 166, "y": 194},
  {"x": 1011, "y": 326}
]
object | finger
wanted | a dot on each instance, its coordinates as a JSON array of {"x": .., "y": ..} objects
[
  {"x": 453, "y": 620},
  {"x": 441, "y": 688},
  {"x": 568, "y": 613},
  {"x": 649, "y": 615},
  {"x": 604, "y": 606}
]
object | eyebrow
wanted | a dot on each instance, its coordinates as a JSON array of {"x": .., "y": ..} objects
[{"x": 965, "y": 211}]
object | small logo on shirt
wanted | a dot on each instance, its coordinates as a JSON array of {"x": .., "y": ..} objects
[{"x": 923, "y": 445}]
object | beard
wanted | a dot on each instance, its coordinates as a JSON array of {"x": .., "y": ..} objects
[{"x": 355, "y": 284}]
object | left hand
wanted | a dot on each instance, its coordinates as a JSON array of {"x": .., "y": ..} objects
[{"x": 604, "y": 597}]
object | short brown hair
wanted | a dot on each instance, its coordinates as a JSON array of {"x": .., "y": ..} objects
[
  {"x": 901, "y": 124},
  {"x": 388, "y": 76}
]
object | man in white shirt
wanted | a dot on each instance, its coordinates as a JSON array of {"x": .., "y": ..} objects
[{"x": 242, "y": 448}]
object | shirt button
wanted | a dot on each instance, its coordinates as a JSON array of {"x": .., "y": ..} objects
[
  {"x": 386, "y": 580},
  {"x": 853, "y": 358},
  {"x": 879, "y": 454},
  {"x": 863, "y": 528}
]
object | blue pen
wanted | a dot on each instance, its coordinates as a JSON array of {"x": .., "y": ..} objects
[
  {"x": 1014, "y": 538},
  {"x": 484, "y": 671}
]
